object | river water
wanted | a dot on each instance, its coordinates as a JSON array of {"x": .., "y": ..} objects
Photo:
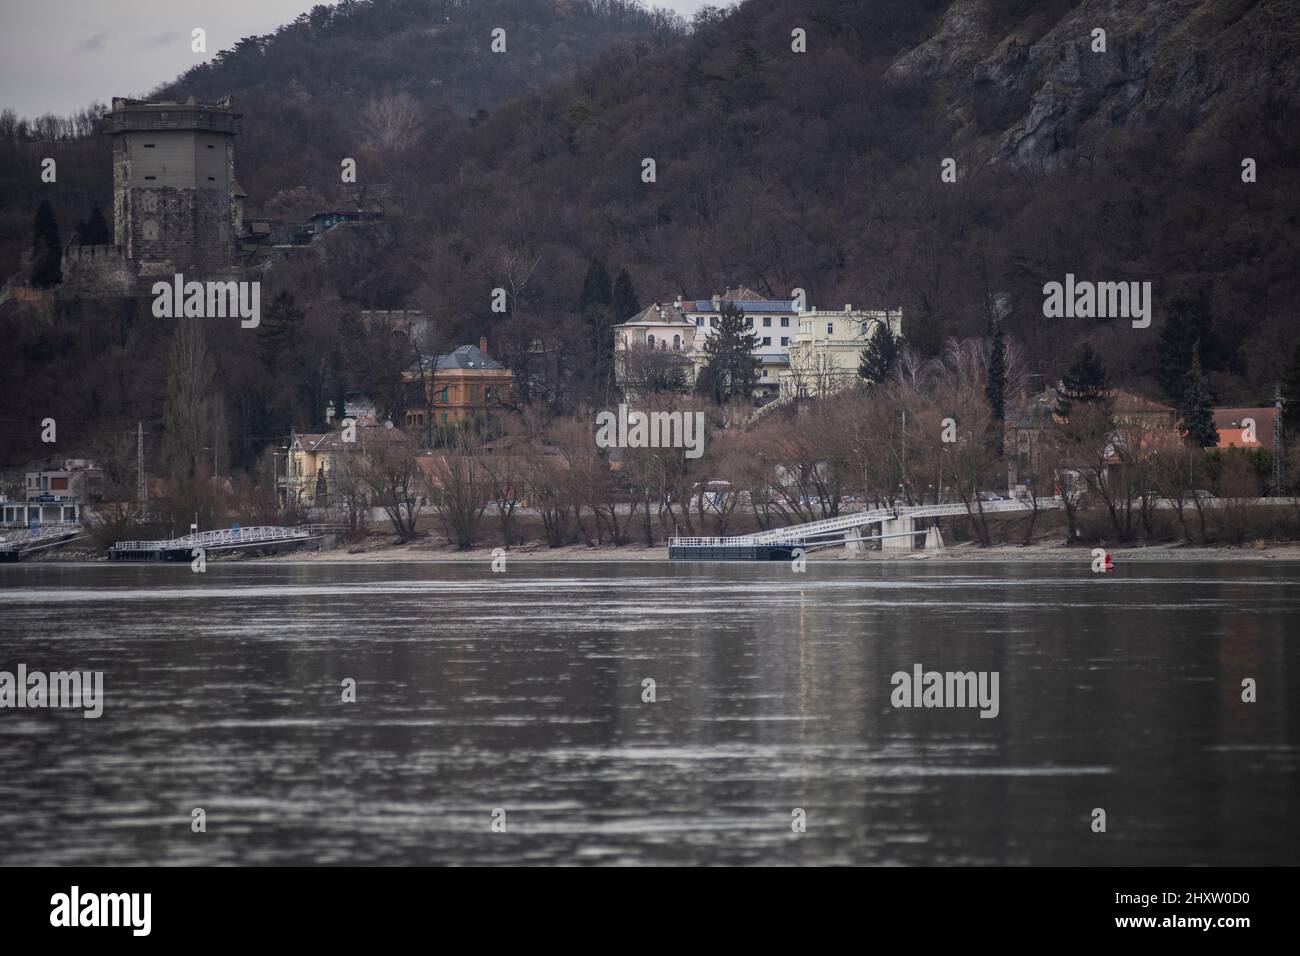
[{"x": 522, "y": 692}]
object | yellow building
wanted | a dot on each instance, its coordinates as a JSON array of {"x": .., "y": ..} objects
[
  {"x": 826, "y": 351},
  {"x": 311, "y": 467}
]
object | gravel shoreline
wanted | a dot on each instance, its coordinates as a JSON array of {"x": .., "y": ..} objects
[{"x": 417, "y": 552}]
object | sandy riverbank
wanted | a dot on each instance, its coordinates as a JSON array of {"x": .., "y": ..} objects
[
  {"x": 966, "y": 551},
  {"x": 380, "y": 549}
]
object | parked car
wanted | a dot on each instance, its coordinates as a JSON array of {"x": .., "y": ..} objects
[
  {"x": 1203, "y": 494},
  {"x": 991, "y": 496}
]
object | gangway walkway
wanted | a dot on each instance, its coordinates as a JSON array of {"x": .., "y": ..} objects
[
  {"x": 227, "y": 539},
  {"x": 15, "y": 544},
  {"x": 779, "y": 543}
]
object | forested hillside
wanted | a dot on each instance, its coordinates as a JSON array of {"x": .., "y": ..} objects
[{"x": 775, "y": 169}]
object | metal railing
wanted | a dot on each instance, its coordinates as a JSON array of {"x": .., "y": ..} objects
[
  {"x": 227, "y": 537},
  {"x": 43, "y": 532},
  {"x": 797, "y": 533}
]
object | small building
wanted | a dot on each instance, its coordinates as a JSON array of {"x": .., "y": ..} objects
[
  {"x": 55, "y": 495},
  {"x": 322, "y": 222},
  {"x": 1246, "y": 427},
  {"x": 457, "y": 387},
  {"x": 313, "y": 460}
]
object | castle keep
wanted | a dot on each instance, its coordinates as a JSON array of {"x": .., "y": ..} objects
[{"x": 176, "y": 205}]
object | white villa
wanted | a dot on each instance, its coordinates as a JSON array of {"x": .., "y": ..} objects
[
  {"x": 801, "y": 353},
  {"x": 827, "y": 350}
]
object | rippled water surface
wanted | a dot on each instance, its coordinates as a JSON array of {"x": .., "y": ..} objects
[{"x": 523, "y": 691}]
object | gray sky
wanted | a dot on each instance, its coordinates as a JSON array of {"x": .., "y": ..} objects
[{"x": 60, "y": 55}]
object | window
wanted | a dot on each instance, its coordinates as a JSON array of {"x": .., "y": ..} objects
[
  {"x": 650, "y": 340},
  {"x": 487, "y": 393},
  {"x": 210, "y": 146},
  {"x": 767, "y": 340},
  {"x": 830, "y": 328},
  {"x": 699, "y": 320},
  {"x": 442, "y": 397},
  {"x": 151, "y": 177},
  {"x": 212, "y": 179},
  {"x": 148, "y": 145},
  {"x": 767, "y": 321},
  {"x": 785, "y": 321},
  {"x": 677, "y": 343},
  {"x": 444, "y": 417},
  {"x": 712, "y": 321},
  {"x": 785, "y": 340}
]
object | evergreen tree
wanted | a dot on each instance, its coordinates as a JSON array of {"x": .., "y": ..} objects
[
  {"x": 1086, "y": 381},
  {"x": 47, "y": 249},
  {"x": 1187, "y": 327},
  {"x": 94, "y": 231},
  {"x": 880, "y": 355},
  {"x": 339, "y": 387},
  {"x": 730, "y": 369},
  {"x": 1196, "y": 409},
  {"x": 997, "y": 378},
  {"x": 625, "y": 303},
  {"x": 595, "y": 286},
  {"x": 279, "y": 327}
]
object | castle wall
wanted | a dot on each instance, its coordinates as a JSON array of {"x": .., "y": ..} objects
[{"x": 95, "y": 270}]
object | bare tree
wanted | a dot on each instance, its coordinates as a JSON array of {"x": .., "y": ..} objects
[
  {"x": 459, "y": 485},
  {"x": 191, "y": 401},
  {"x": 392, "y": 122},
  {"x": 390, "y": 474}
]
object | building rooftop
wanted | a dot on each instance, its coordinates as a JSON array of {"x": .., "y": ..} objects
[
  {"x": 128, "y": 114},
  {"x": 1228, "y": 423}
]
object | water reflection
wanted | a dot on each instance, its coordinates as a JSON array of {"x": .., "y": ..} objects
[{"x": 523, "y": 691}]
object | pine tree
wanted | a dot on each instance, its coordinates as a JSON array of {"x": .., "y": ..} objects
[
  {"x": 880, "y": 355},
  {"x": 1196, "y": 408},
  {"x": 1086, "y": 381},
  {"x": 279, "y": 326},
  {"x": 94, "y": 231},
  {"x": 339, "y": 387},
  {"x": 595, "y": 286},
  {"x": 47, "y": 249},
  {"x": 997, "y": 378},
  {"x": 625, "y": 303},
  {"x": 1187, "y": 327},
  {"x": 730, "y": 369}
]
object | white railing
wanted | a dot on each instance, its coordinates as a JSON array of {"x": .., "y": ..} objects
[
  {"x": 215, "y": 539},
  {"x": 16, "y": 539},
  {"x": 827, "y": 526}
]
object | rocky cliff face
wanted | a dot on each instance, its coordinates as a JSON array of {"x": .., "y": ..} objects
[{"x": 1039, "y": 91}]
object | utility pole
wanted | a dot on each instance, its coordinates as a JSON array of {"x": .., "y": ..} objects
[
  {"x": 1277, "y": 439},
  {"x": 139, "y": 465},
  {"x": 903, "y": 477}
]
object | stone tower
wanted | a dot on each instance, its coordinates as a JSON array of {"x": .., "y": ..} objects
[{"x": 176, "y": 205}]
